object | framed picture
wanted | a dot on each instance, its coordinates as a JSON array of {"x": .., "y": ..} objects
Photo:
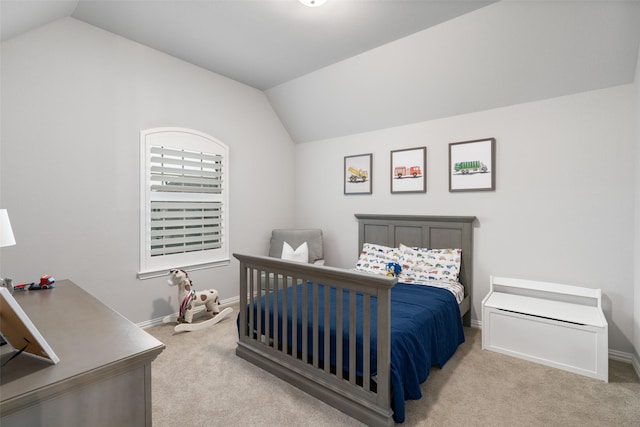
[
  {"x": 357, "y": 174},
  {"x": 408, "y": 170},
  {"x": 472, "y": 165},
  {"x": 20, "y": 332}
]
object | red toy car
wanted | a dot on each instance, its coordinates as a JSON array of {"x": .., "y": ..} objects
[{"x": 46, "y": 282}]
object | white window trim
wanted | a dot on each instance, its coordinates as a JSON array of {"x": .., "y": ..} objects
[{"x": 192, "y": 140}]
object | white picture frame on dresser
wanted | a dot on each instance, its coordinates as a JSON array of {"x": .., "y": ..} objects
[{"x": 20, "y": 331}]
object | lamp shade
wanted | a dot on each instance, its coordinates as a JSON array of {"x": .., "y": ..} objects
[{"x": 6, "y": 233}]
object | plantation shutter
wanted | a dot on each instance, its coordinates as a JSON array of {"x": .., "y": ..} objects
[
  {"x": 185, "y": 221},
  {"x": 184, "y": 171},
  {"x": 178, "y": 227}
]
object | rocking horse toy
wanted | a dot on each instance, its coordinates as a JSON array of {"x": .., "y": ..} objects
[{"x": 190, "y": 300}]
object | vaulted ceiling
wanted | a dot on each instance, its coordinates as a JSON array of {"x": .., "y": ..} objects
[
  {"x": 357, "y": 65},
  {"x": 262, "y": 43}
]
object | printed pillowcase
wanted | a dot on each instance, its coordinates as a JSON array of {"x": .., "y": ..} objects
[
  {"x": 420, "y": 265},
  {"x": 374, "y": 258}
]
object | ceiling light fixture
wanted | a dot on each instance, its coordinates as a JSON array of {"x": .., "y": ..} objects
[{"x": 313, "y": 3}]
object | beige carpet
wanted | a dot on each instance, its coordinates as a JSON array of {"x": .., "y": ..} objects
[{"x": 199, "y": 381}]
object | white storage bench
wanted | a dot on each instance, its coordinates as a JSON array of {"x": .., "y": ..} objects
[{"x": 556, "y": 325}]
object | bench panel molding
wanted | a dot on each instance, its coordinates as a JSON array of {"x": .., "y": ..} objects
[{"x": 556, "y": 325}]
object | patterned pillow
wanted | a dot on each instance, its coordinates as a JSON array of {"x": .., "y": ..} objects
[
  {"x": 420, "y": 265},
  {"x": 374, "y": 258}
]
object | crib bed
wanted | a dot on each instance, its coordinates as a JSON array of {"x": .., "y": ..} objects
[{"x": 361, "y": 306}]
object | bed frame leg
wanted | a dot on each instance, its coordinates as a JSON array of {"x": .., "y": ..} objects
[{"x": 466, "y": 319}]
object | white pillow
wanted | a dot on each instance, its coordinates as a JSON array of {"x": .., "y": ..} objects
[{"x": 300, "y": 254}]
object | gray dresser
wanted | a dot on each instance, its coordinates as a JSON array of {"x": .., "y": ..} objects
[{"x": 104, "y": 374}]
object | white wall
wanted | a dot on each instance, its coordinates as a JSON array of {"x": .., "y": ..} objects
[
  {"x": 74, "y": 99},
  {"x": 563, "y": 207}
]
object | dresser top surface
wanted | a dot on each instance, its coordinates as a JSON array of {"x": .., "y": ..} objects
[{"x": 84, "y": 333}]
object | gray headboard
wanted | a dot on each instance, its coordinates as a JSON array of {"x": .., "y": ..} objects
[{"x": 436, "y": 232}]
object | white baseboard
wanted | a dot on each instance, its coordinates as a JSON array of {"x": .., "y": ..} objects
[
  {"x": 158, "y": 320},
  {"x": 635, "y": 362},
  {"x": 620, "y": 356}
]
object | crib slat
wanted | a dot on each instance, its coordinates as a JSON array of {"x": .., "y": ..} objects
[
  {"x": 352, "y": 337},
  {"x": 285, "y": 314},
  {"x": 315, "y": 346},
  {"x": 274, "y": 320},
  {"x": 252, "y": 296},
  {"x": 267, "y": 304},
  {"x": 339, "y": 332},
  {"x": 294, "y": 319},
  {"x": 366, "y": 341},
  {"x": 259, "y": 303},
  {"x": 305, "y": 322},
  {"x": 327, "y": 329}
]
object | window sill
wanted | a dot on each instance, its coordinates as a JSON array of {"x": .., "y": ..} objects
[{"x": 143, "y": 275}]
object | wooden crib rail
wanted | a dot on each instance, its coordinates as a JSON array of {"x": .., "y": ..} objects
[{"x": 310, "y": 370}]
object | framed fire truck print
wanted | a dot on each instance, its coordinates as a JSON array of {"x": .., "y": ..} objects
[{"x": 408, "y": 170}]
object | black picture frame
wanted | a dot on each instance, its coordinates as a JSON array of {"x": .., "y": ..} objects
[
  {"x": 409, "y": 170},
  {"x": 358, "y": 174},
  {"x": 472, "y": 165}
]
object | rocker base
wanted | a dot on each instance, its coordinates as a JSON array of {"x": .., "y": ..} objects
[{"x": 188, "y": 327}]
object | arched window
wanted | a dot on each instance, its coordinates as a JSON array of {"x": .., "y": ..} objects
[{"x": 184, "y": 201}]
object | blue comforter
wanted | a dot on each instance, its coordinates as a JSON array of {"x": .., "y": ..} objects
[{"x": 426, "y": 330}]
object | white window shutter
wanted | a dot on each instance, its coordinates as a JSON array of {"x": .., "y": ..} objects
[{"x": 185, "y": 200}]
